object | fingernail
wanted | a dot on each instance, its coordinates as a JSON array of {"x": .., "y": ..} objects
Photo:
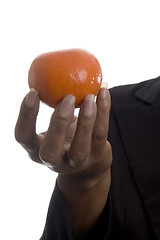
[
  {"x": 103, "y": 90},
  {"x": 104, "y": 85},
  {"x": 66, "y": 106},
  {"x": 88, "y": 105},
  {"x": 31, "y": 98}
]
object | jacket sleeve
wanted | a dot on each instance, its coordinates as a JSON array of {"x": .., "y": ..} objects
[{"x": 58, "y": 226}]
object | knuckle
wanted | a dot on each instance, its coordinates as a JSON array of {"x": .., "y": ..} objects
[
  {"x": 48, "y": 158},
  {"x": 109, "y": 147},
  {"x": 22, "y": 132},
  {"x": 17, "y": 136},
  {"x": 104, "y": 158},
  {"x": 100, "y": 134},
  {"x": 84, "y": 127},
  {"x": 109, "y": 153},
  {"x": 25, "y": 113},
  {"x": 105, "y": 106},
  {"x": 25, "y": 139},
  {"x": 57, "y": 125},
  {"x": 79, "y": 157},
  {"x": 20, "y": 138}
]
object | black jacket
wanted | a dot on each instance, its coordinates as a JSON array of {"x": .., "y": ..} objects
[{"x": 133, "y": 207}]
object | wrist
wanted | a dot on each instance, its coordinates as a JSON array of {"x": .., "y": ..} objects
[
  {"x": 85, "y": 200},
  {"x": 71, "y": 184}
]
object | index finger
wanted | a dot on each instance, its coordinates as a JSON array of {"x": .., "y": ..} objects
[{"x": 25, "y": 129}]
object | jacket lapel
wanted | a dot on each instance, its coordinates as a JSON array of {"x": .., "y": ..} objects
[{"x": 140, "y": 131}]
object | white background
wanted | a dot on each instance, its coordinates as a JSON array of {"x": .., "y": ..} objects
[{"x": 124, "y": 36}]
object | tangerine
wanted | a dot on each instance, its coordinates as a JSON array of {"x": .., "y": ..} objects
[{"x": 56, "y": 74}]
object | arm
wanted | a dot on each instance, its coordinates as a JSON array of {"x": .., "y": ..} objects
[{"x": 75, "y": 148}]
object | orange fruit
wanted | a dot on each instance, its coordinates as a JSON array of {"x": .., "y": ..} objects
[{"x": 56, "y": 74}]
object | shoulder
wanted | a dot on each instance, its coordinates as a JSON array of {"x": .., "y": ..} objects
[
  {"x": 134, "y": 93},
  {"x": 122, "y": 94}
]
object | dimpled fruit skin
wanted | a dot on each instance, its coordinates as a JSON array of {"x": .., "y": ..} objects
[{"x": 56, "y": 74}]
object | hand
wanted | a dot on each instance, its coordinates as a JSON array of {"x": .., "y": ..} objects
[{"x": 70, "y": 145}]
